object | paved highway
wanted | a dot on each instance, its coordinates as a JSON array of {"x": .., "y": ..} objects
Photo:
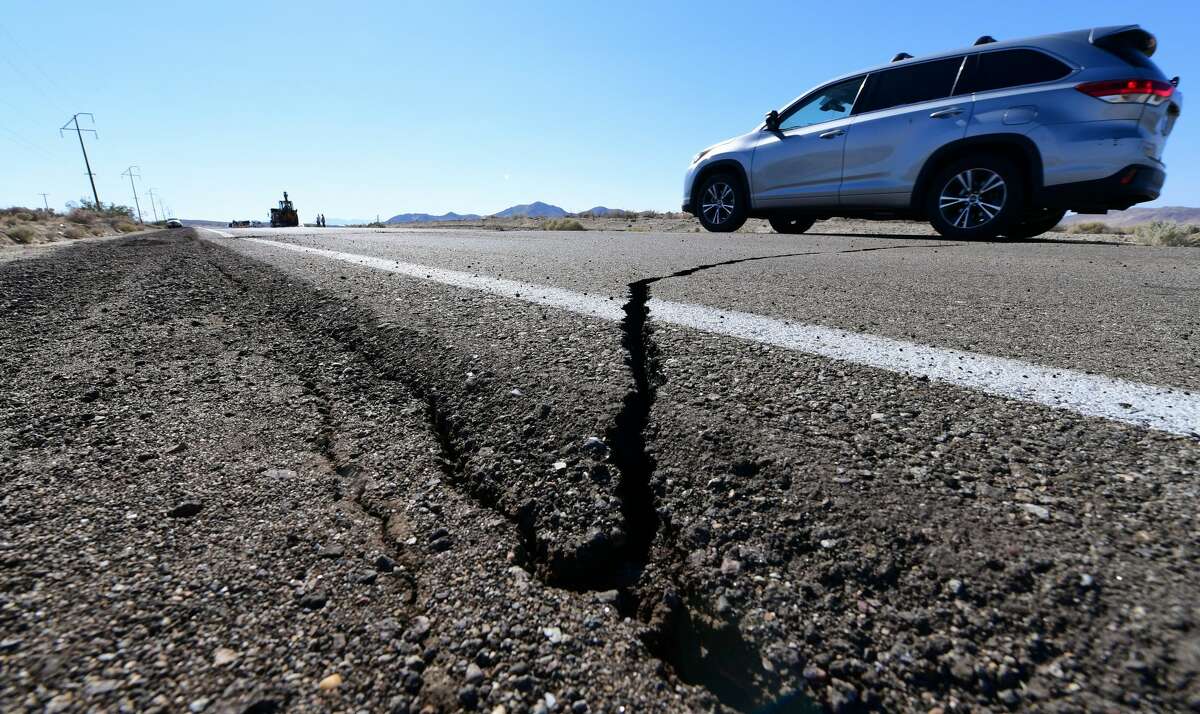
[{"x": 581, "y": 471}]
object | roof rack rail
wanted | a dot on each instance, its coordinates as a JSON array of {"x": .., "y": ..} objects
[
  {"x": 985, "y": 40},
  {"x": 901, "y": 56}
]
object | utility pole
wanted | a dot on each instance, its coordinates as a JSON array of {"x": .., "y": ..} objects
[
  {"x": 152, "y": 206},
  {"x": 129, "y": 172},
  {"x": 79, "y": 132},
  {"x": 45, "y": 202}
]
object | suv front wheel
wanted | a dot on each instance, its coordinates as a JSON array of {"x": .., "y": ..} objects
[
  {"x": 975, "y": 198},
  {"x": 722, "y": 205}
]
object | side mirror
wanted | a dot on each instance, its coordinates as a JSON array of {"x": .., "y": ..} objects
[{"x": 772, "y": 120}]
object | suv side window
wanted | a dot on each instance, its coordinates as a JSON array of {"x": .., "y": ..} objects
[
  {"x": 909, "y": 85},
  {"x": 832, "y": 102},
  {"x": 1010, "y": 68}
]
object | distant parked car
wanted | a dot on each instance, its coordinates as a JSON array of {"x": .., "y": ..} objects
[
  {"x": 174, "y": 223},
  {"x": 1001, "y": 138}
]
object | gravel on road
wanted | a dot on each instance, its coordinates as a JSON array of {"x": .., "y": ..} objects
[{"x": 243, "y": 481}]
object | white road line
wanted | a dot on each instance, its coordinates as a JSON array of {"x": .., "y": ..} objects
[
  {"x": 1163, "y": 408},
  {"x": 223, "y": 234}
]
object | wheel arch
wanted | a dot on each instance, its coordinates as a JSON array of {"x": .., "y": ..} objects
[
  {"x": 730, "y": 166},
  {"x": 1017, "y": 147}
]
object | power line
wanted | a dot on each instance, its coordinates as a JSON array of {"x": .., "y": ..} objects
[
  {"x": 86, "y": 163},
  {"x": 45, "y": 202},
  {"x": 130, "y": 173},
  {"x": 28, "y": 56},
  {"x": 152, "y": 206}
]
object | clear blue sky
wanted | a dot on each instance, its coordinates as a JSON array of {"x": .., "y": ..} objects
[{"x": 365, "y": 108}]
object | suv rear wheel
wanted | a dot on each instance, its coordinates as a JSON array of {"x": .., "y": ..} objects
[
  {"x": 791, "y": 224},
  {"x": 975, "y": 198},
  {"x": 722, "y": 204}
]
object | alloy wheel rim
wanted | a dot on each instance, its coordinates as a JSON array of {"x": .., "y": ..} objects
[
  {"x": 718, "y": 204},
  {"x": 973, "y": 198}
]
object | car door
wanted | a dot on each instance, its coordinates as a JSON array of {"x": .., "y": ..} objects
[
  {"x": 800, "y": 164},
  {"x": 904, "y": 115}
]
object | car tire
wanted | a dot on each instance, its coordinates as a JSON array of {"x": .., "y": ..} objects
[
  {"x": 1035, "y": 224},
  {"x": 791, "y": 224},
  {"x": 975, "y": 198},
  {"x": 722, "y": 204}
]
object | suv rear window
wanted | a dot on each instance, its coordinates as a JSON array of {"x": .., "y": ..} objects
[
  {"x": 908, "y": 85},
  {"x": 1010, "y": 68}
]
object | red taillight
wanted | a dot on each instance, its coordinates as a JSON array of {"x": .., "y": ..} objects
[{"x": 1139, "y": 91}]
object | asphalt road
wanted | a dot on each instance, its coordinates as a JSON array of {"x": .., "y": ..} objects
[{"x": 360, "y": 470}]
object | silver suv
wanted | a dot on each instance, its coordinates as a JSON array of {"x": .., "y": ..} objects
[{"x": 1000, "y": 139}]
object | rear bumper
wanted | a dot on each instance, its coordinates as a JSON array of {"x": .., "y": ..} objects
[{"x": 1133, "y": 184}]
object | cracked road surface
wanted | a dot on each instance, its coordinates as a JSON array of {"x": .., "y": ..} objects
[{"x": 243, "y": 477}]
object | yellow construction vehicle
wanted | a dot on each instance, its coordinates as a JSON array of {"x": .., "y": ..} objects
[{"x": 285, "y": 216}]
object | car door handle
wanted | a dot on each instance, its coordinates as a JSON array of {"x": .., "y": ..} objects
[
  {"x": 946, "y": 113},
  {"x": 832, "y": 133}
]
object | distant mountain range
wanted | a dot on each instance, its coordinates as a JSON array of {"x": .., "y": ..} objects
[
  {"x": 1134, "y": 216},
  {"x": 428, "y": 218},
  {"x": 537, "y": 209}
]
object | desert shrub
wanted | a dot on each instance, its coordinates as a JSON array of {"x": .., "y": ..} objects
[
  {"x": 1094, "y": 227},
  {"x": 563, "y": 224},
  {"x": 21, "y": 234},
  {"x": 125, "y": 227},
  {"x": 1168, "y": 233},
  {"x": 73, "y": 232},
  {"x": 81, "y": 216}
]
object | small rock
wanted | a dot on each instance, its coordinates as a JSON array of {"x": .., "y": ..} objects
[
  {"x": 366, "y": 577},
  {"x": 314, "y": 600},
  {"x": 955, "y": 587},
  {"x": 418, "y": 629},
  {"x": 187, "y": 509},
  {"x": 828, "y": 543},
  {"x": 198, "y": 705},
  {"x": 551, "y": 701},
  {"x": 1086, "y": 581},
  {"x": 384, "y": 564},
  {"x": 814, "y": 674},
  {"x": 224, "y": 656},
  {"x": 474, "y": 674},
  {"x": 608, "y": 596},
  {"x": 553, "y": 634},
  {"x": 333, "y": 552},
  {"x": 10, "y": 644},
  {"x": 333, "y": 681},
  {"x": 1040, "y": 512},
  {"x": 101, "y": 686},
  {"x": 176, "y": 448},
  {"x": 730, "y": 567},
  {"x": 468, "y": 696},
  {"x": 560, "y": 465}
]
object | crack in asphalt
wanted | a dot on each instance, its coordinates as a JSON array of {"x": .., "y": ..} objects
[{"x": 700, "y": 647}]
